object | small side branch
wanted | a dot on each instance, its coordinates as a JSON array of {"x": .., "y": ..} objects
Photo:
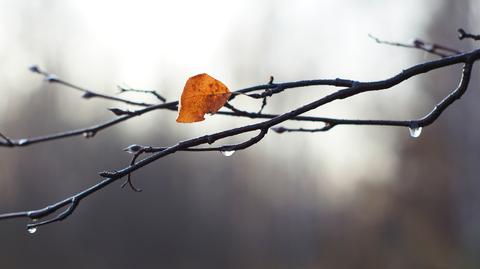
[
  {"x": 7, "y": 141},
  {"x": 138, "y": 150},
  {"x": 87, "y": 94},
  {"x": 123, "y": 89},
  {"x": 432, "y": 48},
  {"x": 87, "y": 132},
  {"x": 281, "y": 129},
  {"x": 63, "y": 215}
]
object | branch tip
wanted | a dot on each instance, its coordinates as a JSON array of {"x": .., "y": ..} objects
[
  {"x": 34, "y": 68},
  {"x": 462, "y": 34},
  {"x": 120, "y": 112},
  {"x": 133, "y": 149}
]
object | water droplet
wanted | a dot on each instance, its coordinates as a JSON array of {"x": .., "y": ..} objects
[
  {"x": 89, "y": 134},
  {"x": 415, "y": 131},
  {"x": 32, "y": 230},
  {"x": 227, "y": 153},
  {"x": 22, "y": 141}
]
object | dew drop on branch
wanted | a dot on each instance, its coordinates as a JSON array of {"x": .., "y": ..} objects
[
  {"x": 32, "y": 230},
  {"x": 415, "y": 131},
  {"x": 227, "y": 153},
  {"x": 89, "y": 134},
  {"x": 22, "y": 141}
]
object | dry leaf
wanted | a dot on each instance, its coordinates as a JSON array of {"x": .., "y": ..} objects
[{"x": 202, "y": 94}]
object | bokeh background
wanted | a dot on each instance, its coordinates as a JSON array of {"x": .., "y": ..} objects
[{"x": 353, "y": 197}]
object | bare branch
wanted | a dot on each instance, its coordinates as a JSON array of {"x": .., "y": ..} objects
[
  {"x": 90, "y": 131},
  {"x": 87, "y": 94},
  {"x": 352, "y": 88},
  {"x": 226, "y": 150},
  {"x": 412, "y": 124}
]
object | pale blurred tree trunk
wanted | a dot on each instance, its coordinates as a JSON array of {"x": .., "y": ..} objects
[
  {"x": 463, "y": 132},
  {"x": 440, "y": 183}
]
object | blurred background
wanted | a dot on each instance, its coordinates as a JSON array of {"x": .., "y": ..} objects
[{"x": 353, "y": 197}]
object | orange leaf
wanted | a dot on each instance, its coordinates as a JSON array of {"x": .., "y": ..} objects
[{"x": 202, "y": 94}]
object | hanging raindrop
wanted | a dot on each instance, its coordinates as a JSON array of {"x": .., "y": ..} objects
[
  {"x": 227, "y": 153},
  {"x": 22, "y": 141},
  {"x": 415, "y": 131},
  {"x": 32, "y": 230},
  {"x": 89, "y": 134}
]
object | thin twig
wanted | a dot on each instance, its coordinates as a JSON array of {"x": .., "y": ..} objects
[
  {"x": 87, "y": 94},
  {"x": 281, "y": 129},
  {"x": 435, "y": 49},
  {"x": 123, "y": 89},
  {"x": 8, "y": 141},
  {"x": 264, "y": 100}
]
